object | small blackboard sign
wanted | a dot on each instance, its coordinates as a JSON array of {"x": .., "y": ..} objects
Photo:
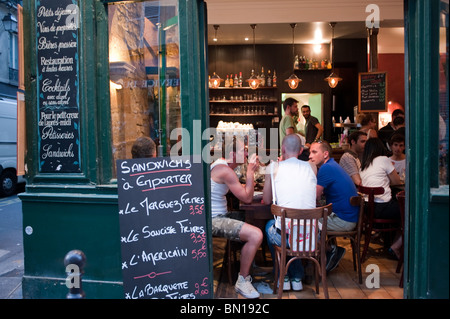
[
  {"x": 372, "y": 92},
  {"x": 163, "y": 229},
  {"x": 57, "y": 26}
]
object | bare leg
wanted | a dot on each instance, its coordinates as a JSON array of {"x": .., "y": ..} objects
[{"x": 252, "y": 237}]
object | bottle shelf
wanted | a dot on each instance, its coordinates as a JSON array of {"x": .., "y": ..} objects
[
  {"x": 242, "y": 114},
  {"x": 244, "y": 101},
  {"x": 244, "y": 88}
]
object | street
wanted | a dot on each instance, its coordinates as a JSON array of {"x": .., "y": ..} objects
[{"x": 11, "y": 248}]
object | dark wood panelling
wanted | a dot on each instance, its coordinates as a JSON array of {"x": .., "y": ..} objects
[{"x": 350, "y": 58}]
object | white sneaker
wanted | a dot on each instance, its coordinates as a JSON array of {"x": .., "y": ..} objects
[
  {"x": 245, "y": 288},
  {"x": 287, "y": 283},
  {"x": 296, "y": 284}
]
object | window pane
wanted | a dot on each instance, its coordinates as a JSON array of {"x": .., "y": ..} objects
[
  {"x": 144, "y": 65},
  {"x": 443, "y": 96}
]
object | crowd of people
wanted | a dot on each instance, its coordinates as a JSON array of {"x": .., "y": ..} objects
[
  {"x": 305, "y": 176},
  {"x": 295, "y": 181}
]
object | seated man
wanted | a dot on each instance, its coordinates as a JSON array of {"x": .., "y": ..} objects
[
  {"x": 398, "y": 158},
  {"x": 294, "y": 186},
  {"x": 338, "y": 187},
  {"x": 224, "y": 179},
  {"x": 350, "y": 160}
]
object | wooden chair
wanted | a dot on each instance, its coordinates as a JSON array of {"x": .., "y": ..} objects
[
  {"x": 401, "y": 203},
  {"x": 353, "y": 235},
  {"x": 370, "y": 222},
  {"x": 230, "y": 260},
  {"x": 313, "y": 248}
]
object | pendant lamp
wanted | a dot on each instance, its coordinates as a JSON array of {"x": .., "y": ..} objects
[
  {"x": 293, "y": 80},
  {"x": 332, "y": 79},
  {"x": 215, "y": 80},
  {"x": 253, "y": 81}
]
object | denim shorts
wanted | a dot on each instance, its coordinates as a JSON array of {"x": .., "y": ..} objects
[{"x": 226, "y": 227}]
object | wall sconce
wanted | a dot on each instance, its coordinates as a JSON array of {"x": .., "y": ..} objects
[
  {"x": 253, "y": 81},
  {"x": 293, "y": 80},
  {"x": 10, "y": 23},
  {"x": 332, "y": 79}
]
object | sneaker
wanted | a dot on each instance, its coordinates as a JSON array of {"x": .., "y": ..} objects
[
  {"x": 337, "y": 258},
  {"x": 287, "y": 283},
  {"x": 245, "y": 288},
  {"x": 330, "y": 256},
  {"x": 296, "y": 284}
]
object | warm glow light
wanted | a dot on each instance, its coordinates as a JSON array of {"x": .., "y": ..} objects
[
  {"x": 317, "y": 48},
  {"x": 115, "y": 85},
  {"x": 246, "y": 39},
  {"x": 215, "y": 81},
  {"x": 333, "y": 80},
  {"x": 293, "y": 81},
  {"x": 254, "y": 82}
]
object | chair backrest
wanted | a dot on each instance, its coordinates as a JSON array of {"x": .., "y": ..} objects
[
  {"x": 358, "y": 201},
  {"x": 303, "y": 229},
  {"x": 371, "y": 192}
]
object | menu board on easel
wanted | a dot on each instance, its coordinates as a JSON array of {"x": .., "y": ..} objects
[
  {"x": 57, "y": 25},
  {"x": 372, "y": 92},
  {"x": 163, "y": 229}
]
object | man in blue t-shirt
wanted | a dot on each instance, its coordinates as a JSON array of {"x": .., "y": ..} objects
[{"x": 337, "y": 187}]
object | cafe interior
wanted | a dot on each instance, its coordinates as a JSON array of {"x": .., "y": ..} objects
[{"x": 296, "y": 47}]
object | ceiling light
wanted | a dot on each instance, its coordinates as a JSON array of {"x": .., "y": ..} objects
[
  {"x": 214, "y": 81},
  {"x": 293, "y": 80},
  {"x": 253, "y": 81},
  {"x": 332, "y": 79}
]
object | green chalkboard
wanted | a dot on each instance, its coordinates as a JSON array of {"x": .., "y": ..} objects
[{"x": 372, "y": 92}]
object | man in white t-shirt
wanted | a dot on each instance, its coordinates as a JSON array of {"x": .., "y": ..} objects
[{"x": 289, "y": 183}]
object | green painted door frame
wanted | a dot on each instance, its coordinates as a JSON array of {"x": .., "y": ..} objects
[
  {"x": 62, "y": 212},
  {"x": 427, "y": 224}
]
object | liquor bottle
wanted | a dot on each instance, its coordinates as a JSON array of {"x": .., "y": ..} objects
[
  {"x": 303, "y": 63},
  {"x": 231, "y": 80},
  {"x": 274, "y": 79},
  {"x": 235, "y": 81},
  {"x": 269, "y": 79},
  {"x": 263, "y": 77},
  {"x": 227, "y": 82},
  {"x": 209, "y": 80},
  {"x": 240, "y": 79},
  {"x": 296, "y": 63}
]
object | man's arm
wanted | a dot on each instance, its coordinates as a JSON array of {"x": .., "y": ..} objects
[{"x": 319, "y": 131}]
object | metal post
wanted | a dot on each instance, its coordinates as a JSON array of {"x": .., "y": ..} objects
[{"x": 74, "y": 262}]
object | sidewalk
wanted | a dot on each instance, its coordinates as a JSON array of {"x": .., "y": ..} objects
[{"x": 11, "y": 272}]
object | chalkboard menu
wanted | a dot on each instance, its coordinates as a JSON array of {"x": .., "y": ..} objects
[
  {"x": 372, "y": 88},
  {"x": 58, "y": 85},
  {"x": 163, "y": 229}
]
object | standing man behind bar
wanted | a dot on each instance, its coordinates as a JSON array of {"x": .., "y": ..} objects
[
  {"x": 313, "y": 129},
  {"x": 287, "y": 123}
]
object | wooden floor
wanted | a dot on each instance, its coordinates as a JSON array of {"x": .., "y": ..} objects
[{"x": 342, "y": 281}]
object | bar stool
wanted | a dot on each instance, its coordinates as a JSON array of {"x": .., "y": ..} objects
[{"x": 371, "y": 223}]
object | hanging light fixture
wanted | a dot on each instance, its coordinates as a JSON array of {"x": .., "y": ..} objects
[
  {"x": 293, "y": 80},
  {"x": 215, "y": 80},
  {"x": 253, "y": 81},
  {"x": 332, "y": 79}
]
